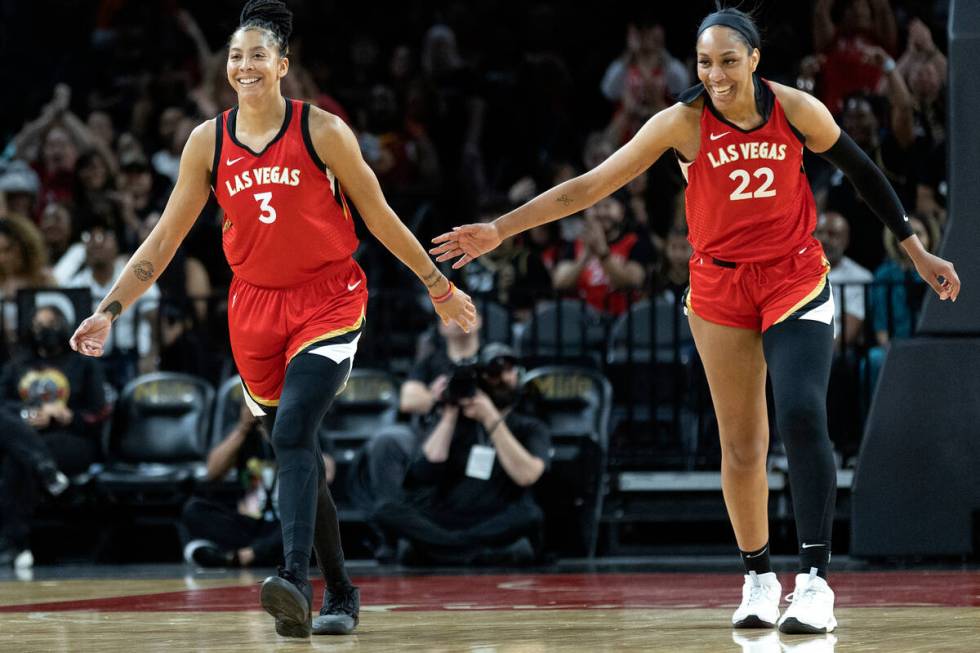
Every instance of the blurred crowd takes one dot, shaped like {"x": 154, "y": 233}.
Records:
{"x": 463, "y": 110}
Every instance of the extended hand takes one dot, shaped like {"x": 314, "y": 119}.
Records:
{"x": 467, "y": 242}
{"x": 459, "y": 309}
{"x": 932, "y": 268}
{"x": 90, "y": 336}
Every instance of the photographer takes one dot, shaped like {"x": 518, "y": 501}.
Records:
{"x": 469, "y": 489}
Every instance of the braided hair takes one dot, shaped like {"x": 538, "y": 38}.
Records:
{"x": 273, "y": 16}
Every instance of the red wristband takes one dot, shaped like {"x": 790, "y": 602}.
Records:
{"x": 445, "y": 296}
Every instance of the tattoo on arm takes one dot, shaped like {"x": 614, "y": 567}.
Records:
{"x": 565, "y": 199}
{"x": 113, "y": 309}
{"x": 143, "y": 270}
{"x": 432, "y": 278}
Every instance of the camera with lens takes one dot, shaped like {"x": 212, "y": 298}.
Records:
{"x": 464, "y": 380}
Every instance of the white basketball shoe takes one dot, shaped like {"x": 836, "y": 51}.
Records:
{"x": 811, "y": 609}
{"x": 760, "y": 602}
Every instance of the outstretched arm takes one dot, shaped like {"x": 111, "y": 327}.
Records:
{"x": 654, "y": 138}
{"x": 337, "y": 147}
{"x": 824, "y": 137}
{"x": 152, "y": 257}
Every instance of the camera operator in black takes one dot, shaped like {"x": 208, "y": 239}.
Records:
{"x": 468, "y": 490}
{"x": 52, "y": 406}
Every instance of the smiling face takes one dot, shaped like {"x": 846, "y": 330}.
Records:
{"x": 725, "y": 67}
{"x": 254, "y": 65}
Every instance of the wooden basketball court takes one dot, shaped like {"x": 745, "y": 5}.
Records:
{"x": 881, "y": 611}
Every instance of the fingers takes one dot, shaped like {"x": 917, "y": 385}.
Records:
{"x": 449, "y": 253}
{"x": 946, "y": 282}
{"x": 445, "y": 247}
{"x": 446, "y": 237}
{"x": 463, "y": 260}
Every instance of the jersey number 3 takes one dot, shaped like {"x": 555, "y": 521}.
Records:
{"x": 268, "y": 213}
{"x": 742, "y": 176}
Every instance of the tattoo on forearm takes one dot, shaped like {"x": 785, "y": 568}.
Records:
{"x": 432, "y": 278}
{"x": 143, "y": 270}
{"x": 565, "y": 199}
{"x": 113, "y": 309}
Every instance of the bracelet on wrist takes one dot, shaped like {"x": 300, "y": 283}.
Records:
{"x": 493, "y": 428}
{"x": 445, "y": 296}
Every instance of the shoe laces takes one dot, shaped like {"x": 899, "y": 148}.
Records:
{"x": 807, "y": 593}
{"x": 340, "y": 603}
{"x": 756, "y": 592}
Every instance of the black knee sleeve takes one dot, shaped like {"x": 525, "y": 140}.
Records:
{"x": 799, "y": 355}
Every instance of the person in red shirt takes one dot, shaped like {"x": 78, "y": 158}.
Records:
{"x": 607, "y": 260}
{"x": 758, "y": 298}
{"x": 281, "y": 170}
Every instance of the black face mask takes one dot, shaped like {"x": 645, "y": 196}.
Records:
{"x": 50, "y": 341}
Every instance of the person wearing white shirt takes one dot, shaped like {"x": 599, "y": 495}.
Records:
{"x": 848, "y": 279}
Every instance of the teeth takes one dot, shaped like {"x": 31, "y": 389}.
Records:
{"x": 248, "y": 80}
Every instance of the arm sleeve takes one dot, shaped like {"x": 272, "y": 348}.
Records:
{"x": 871, "y": 183}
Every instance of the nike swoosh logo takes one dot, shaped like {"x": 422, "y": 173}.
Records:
{"x": 231, "y": 162}
{"x": 715, "y": 137}
{"x": 352, "y": 286}
{"x": 803, "y": 250}
{"x": 810, "y": 546}
{"x": 757, "y": 554}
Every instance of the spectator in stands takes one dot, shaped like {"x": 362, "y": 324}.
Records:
{"x": 609, "y": 256}
{"x": 642, "y": 80}
{"x": 847, "y": 68}
{"x": 23, "y": 264}
{"x": 674, "y": 274}
{"x": 57, "y": 230}
{"x": 184, "y": 291}
{"x": 51, "y": 144}
{"x": 469, "y": 488}
{"x": 848, "y": 279}
{"x": 95, "y": 199}
{"x": 20, "y": 186}
{"x": 131, "y": 347}
{"x": 898, "y": 290}
{"x": 52, "y": 406}
{"x": 405, "y": 162}
{"x": 166, "y": 160}
{"x": 248, "y": 534}
{"x": 514, "y": 275}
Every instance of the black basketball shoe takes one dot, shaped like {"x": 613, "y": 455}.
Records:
{"x": 287, "y": 598}
{"x": 340, "y": 612}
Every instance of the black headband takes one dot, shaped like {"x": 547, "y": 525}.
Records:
{"x": 734, "y": 22}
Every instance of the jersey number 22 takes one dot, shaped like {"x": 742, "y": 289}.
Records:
{"x": 742, "y": 176}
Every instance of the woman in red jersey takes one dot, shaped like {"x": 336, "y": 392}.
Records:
{"x": 758, "y": 297}
{"x": 280, "y": 170}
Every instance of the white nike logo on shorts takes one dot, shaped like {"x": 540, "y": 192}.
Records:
{"x": 810, "y": 546}
{"x": 352, "y": 286}
{"x": 715, "y": 137}
{"x": 231, "y": 162}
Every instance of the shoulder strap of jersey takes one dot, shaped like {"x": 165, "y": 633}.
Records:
{"x": 308, "y": 138}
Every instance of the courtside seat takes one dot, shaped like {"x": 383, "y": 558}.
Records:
{"x": 575, "y": 403}
{"x": 568, "y": 330}
{"x": 156, "y": 448}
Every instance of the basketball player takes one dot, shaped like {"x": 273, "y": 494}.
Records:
{"x": 758, "y": 297}
{"x": 280, "y": 170}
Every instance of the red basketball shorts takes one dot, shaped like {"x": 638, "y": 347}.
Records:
{"x": 269, "y": 326}
{"x": 758, "y": 295}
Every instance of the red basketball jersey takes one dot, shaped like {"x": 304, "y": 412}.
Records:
{"x": 286, "y": 218}
{"x": 747, "y": 196}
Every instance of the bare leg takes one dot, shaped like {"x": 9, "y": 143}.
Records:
{"x": 736, "y": 371}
